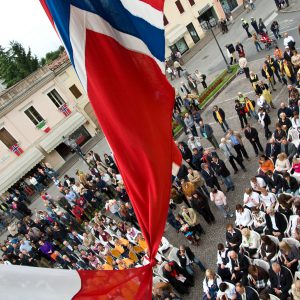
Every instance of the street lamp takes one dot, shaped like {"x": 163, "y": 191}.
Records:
{"x": 209, "y": 25}
{"x": 75, "y": 147}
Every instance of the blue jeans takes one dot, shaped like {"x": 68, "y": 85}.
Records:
{"x": 197, "y": 261}
{"x": 226, "y": 213}
{"x": 228, "y": 182}
{"x": 253, "y": 114}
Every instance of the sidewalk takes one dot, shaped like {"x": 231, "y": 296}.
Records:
{"x": 294, "y": 7}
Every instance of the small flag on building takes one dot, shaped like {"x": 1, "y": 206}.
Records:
{"x": 16, "y": 149}
{"x": 65, "y": 109}
{"x": 43, "y": 126}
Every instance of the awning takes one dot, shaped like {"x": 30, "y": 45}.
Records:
{"x": 19, "y": 167}
{"x": 67, "y": 127}
{"x": 204, "y": 9}
{"x": 175, "y": 34}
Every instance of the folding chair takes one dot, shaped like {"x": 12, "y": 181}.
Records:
{"x": 173, "y": 255}
{"x": 261, "y": 263}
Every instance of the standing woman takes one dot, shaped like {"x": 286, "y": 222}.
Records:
{"x": 199, "y": 202}
{"x": 254, "y": 80}
{"x": 110, "y": 162}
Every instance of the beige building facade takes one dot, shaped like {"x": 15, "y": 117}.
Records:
{"x": 183, "y": 18}
{"x": 35, "y": 116}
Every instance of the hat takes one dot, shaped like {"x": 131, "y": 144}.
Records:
{"x": 242, "y": 19}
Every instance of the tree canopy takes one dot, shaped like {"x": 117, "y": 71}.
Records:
{"x": 51, "y": 56}
{"x": 16, "y": 63}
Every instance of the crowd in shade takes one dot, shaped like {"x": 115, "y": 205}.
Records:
{"x": 92, "y": 224}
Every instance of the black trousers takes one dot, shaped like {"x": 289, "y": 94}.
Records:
{"x": 241, "y": 151}
{"x": 243, "y": 119}
{"x": 215, "y": 183}
{"x": 247, "y": 72}
{"x": 257, "y": 145}
{"x": 268, "y": 133}
{"x": 232, "y": 160}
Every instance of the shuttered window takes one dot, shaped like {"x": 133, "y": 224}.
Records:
{"x": 166, "y": 22}
{"x": 75, "y": 91}
{"x": 179, "y": 6}
{"x": 192, "y": 2}
{"x": 6, "y": 138}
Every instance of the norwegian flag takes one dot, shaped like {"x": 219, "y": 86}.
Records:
{"x": 65, "y": 110}
{"x": 16, "y": 149}
{"x": 117, "y": 48}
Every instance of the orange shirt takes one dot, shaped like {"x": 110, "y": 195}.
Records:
{"x": 267, "y": 166}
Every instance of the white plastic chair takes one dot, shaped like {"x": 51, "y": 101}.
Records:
{"x": 297, "y": 275}
{"x": 291, "y": 242}
{"x": 173, "y": 255}
{"x": 291, "y": 224}
{"x": 160, "y": 270}
{"x": 289, "y": 271}
{"x": 261, "y": 263}
{"x": 293, "y": 134}
{"x": 274, "y": 239}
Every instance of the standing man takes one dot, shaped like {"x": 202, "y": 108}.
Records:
{"x": 268, "y": 73}
{"x": 240, "y": 110}
{"x": 177, "y": 67}
{"x": 221, "y": 170}
{"x": 178, "y": 118}
{"x": 184, "y": 88}
{"x": 289, "y": 41}
{"x": 227, "y": 149}
{"x": 201, "y": 78}
{"x": 190, "y": 124}
{"x": 245, "y": 25}
{"x": 219, "y": 116}
{"x": 208, "y": 133}
{"x": 209, "y": 177}
{"x": 275, "y": 29}
{"x": 273, "y": 64}
{"x": 252, "y": 135}
{"x": 193, "y": 85}
{"x": 254, "y": 25}
{"x": 236, "y": 140}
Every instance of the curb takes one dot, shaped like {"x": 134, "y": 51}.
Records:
{"x": 289, "y": 11}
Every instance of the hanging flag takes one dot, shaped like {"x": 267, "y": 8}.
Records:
{"x": 16, "y": 149}
{"x": 65, "y": 109}
{"x": 117, "y": 49}
{"x": 48, "y": 284}
{"x": 43, "y": 126}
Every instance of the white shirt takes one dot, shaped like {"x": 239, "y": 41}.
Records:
{"x": 33, "y": 181}
{"x": 195, "y": 143}
{"x": 287, "y": 40}
{"x": 273, "y": 222}
{"x": 259, "y": 183}
{"x": 251, "y": 200}
{"x": 268, "y": 200}
{"x": 295, "y": 123}
{"x": 260, "y": 101}
{"x": 105, "y": 177}
{"x": 221, "y": 255}
{"x": 230, "y": 292}
{"x": 243, "y": 218}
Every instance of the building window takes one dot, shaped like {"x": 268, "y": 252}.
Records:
{"x": 75, "y": 91}
{"x": 6, "y": 138}
{"x": 192, "y": 2}
{"x": 33, "y": 115}
{"x": 166, "y": 22}
{"x": 179, "y": 6}
{"x": 180, "y": 46}
{"x": 194, "y": 35}
{"x": 56, "y": 98}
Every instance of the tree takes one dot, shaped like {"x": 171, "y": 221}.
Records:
{"x": 16, "y": 63}
{"x": 52, "y": 55}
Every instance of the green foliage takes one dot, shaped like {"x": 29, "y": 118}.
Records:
{"x": 51, "y": 56}
{"x": 16, "y": 63}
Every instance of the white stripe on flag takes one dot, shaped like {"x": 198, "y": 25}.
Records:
{"x": 144, "y": 11}
{"x": 29, "y": 283}
{"x": 80, "y": 21}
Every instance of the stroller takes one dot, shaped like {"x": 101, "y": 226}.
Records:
{"x": 267, "y": 41}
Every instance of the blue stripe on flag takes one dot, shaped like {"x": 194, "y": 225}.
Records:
{"x": 116, "y": 15}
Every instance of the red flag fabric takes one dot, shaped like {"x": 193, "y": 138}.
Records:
{"x": 117, "y": 49}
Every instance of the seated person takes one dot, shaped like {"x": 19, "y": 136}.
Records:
{"x": 250, "y": 241}
{"x": 268, "y": 248}
{"x": 281, "y": 281}
{"x": 259, "y": 220}
{"x": 233, "y": 238}
{"x": 258, "y": 278}
{"x": 211, "y": 285}
{"x": 227, "y": 291}
{"x": 251, "y": 198}
{"x": 245, "y": 292}
{"x": 243, "y": 216}
{"x": 180, "y": 279}
{"x": 276, "y": 223}
{"x": 222, "y": 262}
{"x": 238, "y": 267}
